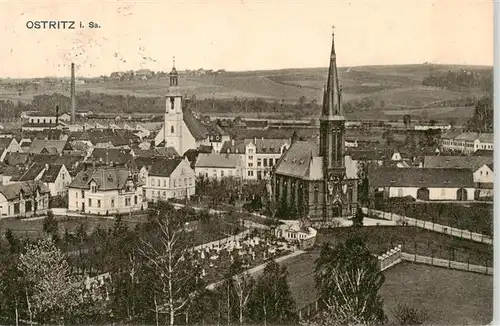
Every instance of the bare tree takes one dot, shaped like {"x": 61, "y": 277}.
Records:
{"x": 173, "y": 267}
{"x": 243, "y": 286}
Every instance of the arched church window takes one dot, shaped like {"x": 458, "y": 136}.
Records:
{"x": 172, "y": 101}
{"x": 316, "y": 194}
{"x": 172, "y": 129}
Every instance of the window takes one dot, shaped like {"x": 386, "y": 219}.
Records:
{"x": 222, "y": 173}
{"x": 259, "y": 162}
{"x": 158, "y": 182}
{"x": 400, "y": 192}
{"x": 270, "y": 162}
{"x": 316, "y": 194}
{"x": 76, "y": 195}
{"x": 250, "y": 157}
{"x": 135, "y": 199}
{"x": 90, "y": 202}
{"x": 16, "y": 208}
{"x": 250, "y": 173}
{"x": 250, "y": 151}
{"x": 185, "y": 181}
{"x": 172, "y": 130}
{"x": 265, "y": 162}
{"x": 152, "y": 182}
{"x": 127, "y": 201}
{"x": 83, "y": 194}
{"x": 164, "y": 182}
{"x": 99, "y": 203}
{"x": 165, "y": 194}
{"x": 175, "y": 183}
{"x": 93, "y": 188}
{"x": 191, "y": 181}
{"x": 112, "y": 203}
{"x": 230, "y": 172}
{"x": 250, "y": 165}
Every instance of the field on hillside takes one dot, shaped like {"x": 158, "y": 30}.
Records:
{"x": 391, "y": 88}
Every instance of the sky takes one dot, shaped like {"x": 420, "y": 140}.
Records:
{"x": 241, "y": 35}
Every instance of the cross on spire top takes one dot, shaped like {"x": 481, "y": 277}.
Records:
{"x": 173, "y": 58}
{"x": 333, "y": 29}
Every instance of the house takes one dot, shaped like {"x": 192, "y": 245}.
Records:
{"x": 429, "y": 126}
{"x": 105, "y": 190}
{"x": 168, "y": 178}
{"x": 47, "y": 117}
{"x": 24, "y": 199}
{"x": 467, "y": 142}
{"x": 422, "y": 183}
{"x": 57, "y": 178}
{"x": 295, "y": 230}
{"x": 8, "y": 145}
{"x": 217, "y": 166}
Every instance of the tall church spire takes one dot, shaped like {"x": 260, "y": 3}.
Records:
{"x": 332, "y": 106}
{"x": 174, "y": 75}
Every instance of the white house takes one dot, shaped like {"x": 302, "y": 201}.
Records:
{"x": 24, "y": 199}
{"x": 259, "y": 155}
{"x": 467, "y": 142}
{"x": 422, "y": 183}
{"x": 8, "y": 145}
{"x": 105, "y": 190}
{"x": 294, "y": 230}
{"x": 168, "y": 178}
{"x": 57, "y": 178}
{"x": 218, "y": 166}
{"x": 47, "y": 117}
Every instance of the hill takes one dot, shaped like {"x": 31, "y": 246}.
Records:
{"x": 389, "y": 90}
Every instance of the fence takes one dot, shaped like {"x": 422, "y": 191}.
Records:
{"x": 428, "y": 225}
{"x": 390, "y": 258}
{"x": 217, "y": 243}
{"x": 310, "y": 310}
{"x": 447, "y": 263}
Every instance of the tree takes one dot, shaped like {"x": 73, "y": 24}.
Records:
{"x": 12, "y": 301}
{"x": 357, "y": 220}
{"x": 50, "y": 225}
{"x": 272, "y": 301}
{"x": 406, "y": 315}
{"x": 482, "y": 119}
{"x": 173, "y": 273}
{"x": 51, "y": 291}
{"x": 348, "y": 280}
{"x": 15, "y": 243}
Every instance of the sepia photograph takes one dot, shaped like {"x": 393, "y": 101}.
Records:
{"x": 223, "y": 162}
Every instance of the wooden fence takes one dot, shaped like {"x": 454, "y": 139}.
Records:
{"x": 446, "y": 263}
{"x": 428, "y": 225}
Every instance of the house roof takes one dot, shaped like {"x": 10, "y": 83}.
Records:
{"x": 265, "y": 145}
{"x": 50, "y": 134}
{"x": 111, "y": 155}
{"x": 37, "y": 146}
{"x": 467, "y": 136}
{"x": 456, "y": 162}
{"x": 41, "y": 125}
{"x": 166, "y": 151}
{"x": 217, "y": 161}
{"x": 106, "y": 178}
{"x": 490, "y": 165}
{"x": 44, "y": 114}
{"x": 452, "y": 134}
{"x": 51, "y": 174}
{"x": 197, "y": 129}
{"x": 421, "y": 177}
{"x": 5, "y": 142}
{"x": 483, "y": 152}
{"x": 232, "y": 146}
{"x": 14, "y": 159}
{"x": 30, "y": 174}
{"x": 12, "y": 190}
{"x": 486, "y": 138}
{"x": 164, "y": 167}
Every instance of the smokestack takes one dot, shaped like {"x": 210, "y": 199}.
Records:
{"x": 57, "y": 114}
{"x": 73, "y": 99}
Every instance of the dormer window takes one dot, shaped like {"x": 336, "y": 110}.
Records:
{"x": 93, "y": 188}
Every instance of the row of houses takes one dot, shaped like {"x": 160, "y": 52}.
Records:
{"x": 466, "y": 142}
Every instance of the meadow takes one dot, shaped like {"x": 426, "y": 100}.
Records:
{"x": 394, "y": 90}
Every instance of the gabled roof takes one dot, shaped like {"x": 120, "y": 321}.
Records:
{"x": 37, "y": 145}
{"x": 111, "y": 155}
{"x": 12, "y": 190}
{"x": 421, "y": 177}
{"x": 486, "y": 138}
{"x": 51, "y": 174}
{"x": 297, "y": 160}
{"x": 14, "y": 159}
{"x": 30, "y": 174}
{"x": 452, "y": 134}
{"x": 106, "y": 178}
{"x": 264, "y": 145}
{"x": 166, "y": 151}
{"x": 217, "y": 161}
{"x": 197, "y": 129}
{"x": 5, "y": 142}
{"x": 456, "y": 162}
{"x": 490, "y": 165}
{"x": 229, "y": 147}
{"x": 467, "y": 136}
{"x": 164, "y": 167}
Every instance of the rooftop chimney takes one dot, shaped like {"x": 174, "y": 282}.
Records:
{"x": 73, "y": 99}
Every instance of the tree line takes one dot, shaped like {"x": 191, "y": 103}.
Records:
{"x": 458, "y": 79}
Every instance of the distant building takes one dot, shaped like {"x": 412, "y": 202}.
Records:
{"x": 422, "y": 183}
{"x": 47, "y": 117}
{"x": 106, "y": 190}
{"x": 467, "y": 142}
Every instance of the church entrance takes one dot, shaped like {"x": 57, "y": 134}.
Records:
{"x": 337, "y": 210}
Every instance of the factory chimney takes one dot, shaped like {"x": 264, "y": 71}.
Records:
{"x": 73, "y": 99}
{"x": 57, "y": 114}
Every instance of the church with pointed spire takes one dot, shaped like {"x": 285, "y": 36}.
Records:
{"x": 315, "y": 179}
